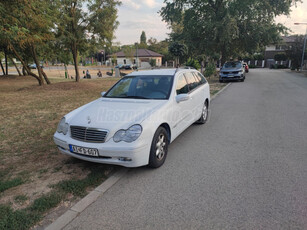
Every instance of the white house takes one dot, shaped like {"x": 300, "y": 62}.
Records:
{"x": 141, "y": 58}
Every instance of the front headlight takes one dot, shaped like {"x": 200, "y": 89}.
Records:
{"x": 62, "y": 126}
{"x": 128, "y": 135}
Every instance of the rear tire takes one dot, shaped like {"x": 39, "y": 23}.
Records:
{"x": 159, "y": 148}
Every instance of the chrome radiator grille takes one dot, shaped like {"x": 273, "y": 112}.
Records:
{"x": 88, "y": 134}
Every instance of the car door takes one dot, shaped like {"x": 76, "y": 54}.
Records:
{"x": 196, "y": 94}
{"x": 180, "y": 110}
{"x": 205, "y": 86}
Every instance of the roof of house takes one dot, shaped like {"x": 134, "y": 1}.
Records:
{"x": 288, "y": 39}
{"x": 141, "y": 53}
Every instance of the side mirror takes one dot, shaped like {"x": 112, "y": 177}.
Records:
{"x": 103, "y": 93}
{"x": 182, "y": 97}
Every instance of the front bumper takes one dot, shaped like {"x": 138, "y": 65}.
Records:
{"x": 124, "y": 154}
{"x": 232, "y": 78}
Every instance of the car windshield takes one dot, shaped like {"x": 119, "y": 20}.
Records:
{"x": 142, "y": 87}
{"x": 232, "y": 65}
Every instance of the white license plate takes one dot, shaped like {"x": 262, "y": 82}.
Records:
{"x": 83, "y": 150}
{"x": 230, "y": 75}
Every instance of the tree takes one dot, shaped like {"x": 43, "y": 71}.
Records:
{"x": 227, "y": 27}
{"x": 153, "y": 62}
{"x": 129, "y": 52}
{"x": 81, "y": 28}
{"x": 143, "y": 40}
{"x": 160, "y": 47}
{"x": 295, "y": 52}
{"x": 177, "y": 50}
{"x": 25, "y": 26}
{"x": 193, "y": 63}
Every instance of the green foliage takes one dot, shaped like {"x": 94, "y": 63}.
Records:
{"x": 46, "y": 202}
{"x": 19, "y": 219}
{"x": 152, "y": 62}
{"x": 129, "y": 52}
{"x": 252, "y": 66}
{"x": 160, "y": 47}
{"x": 258, "y": 57}
{"x": 78, "y": 186}
{"x": 177, "y": 49}
{"x": 210, "y": 70}
{"x": 20, "y": 199}
{"x": 280, "y": 57}
{"x": 4, "y": 185}
{"x": 276, "y": 66}
{"x": 193, "y": 63}
{"x": 26, "y": 218}
{"x": 230, "y": 28}
{"x": 143, "y": 40}
{"x": 295, "y": 53}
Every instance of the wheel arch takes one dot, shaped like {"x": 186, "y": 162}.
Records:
{"x": 207, "y": 101}
{"x": 168, "y": 130}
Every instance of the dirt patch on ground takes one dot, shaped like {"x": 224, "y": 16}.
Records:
{"x": 30, "y": 114}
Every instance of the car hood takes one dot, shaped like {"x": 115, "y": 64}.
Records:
{"x": 113, "y": 114}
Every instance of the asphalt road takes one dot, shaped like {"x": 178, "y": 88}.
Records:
{"x": 245, "y": 169}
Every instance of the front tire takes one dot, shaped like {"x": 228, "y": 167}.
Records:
{"x": 204, "y": 114}
{"x": 159, "y": 148}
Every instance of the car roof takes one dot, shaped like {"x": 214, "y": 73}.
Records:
{"x": 159, "y": 72}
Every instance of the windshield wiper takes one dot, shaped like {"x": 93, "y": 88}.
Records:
{"x": 136, "y": 97}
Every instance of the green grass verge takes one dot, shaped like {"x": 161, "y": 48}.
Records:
{"x": 26, "y": 218}
{"x": 19, "y": 219}
{"x": 78, "y": 187}
{"x": 4, "y": 185}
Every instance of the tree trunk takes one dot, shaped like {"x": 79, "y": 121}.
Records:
{"x": 6, "y": 65}
{"x": 2, "y": 67}
{"x": 24, "y": 72}
{"x": 40, "y": 82}
{"x": 75, "y": 57}
{"x": 39, "y": 69}
{"x": 16, "y": 67}
{"x": 45, "y": 77}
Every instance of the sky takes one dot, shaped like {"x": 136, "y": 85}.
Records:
{"x": 136, "y": 16}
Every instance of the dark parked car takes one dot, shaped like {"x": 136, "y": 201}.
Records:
{"x": 232, "y": 71}
{"x": 120, "y": 66}
{"x": 128, "y": 66}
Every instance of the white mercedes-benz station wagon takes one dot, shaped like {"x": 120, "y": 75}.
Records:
{"x": 134, "y": 122}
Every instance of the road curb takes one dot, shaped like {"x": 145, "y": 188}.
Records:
{"x": 79, "y": 207}
{"x": 215, "y": 95}
{"x": 75, "y": 210}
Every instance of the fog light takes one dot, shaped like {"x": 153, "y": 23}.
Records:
{"x": 124, "y": 159}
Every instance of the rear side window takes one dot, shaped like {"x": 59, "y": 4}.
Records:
{"x": 182, "y": 86}
{"x": 202, "y": 78}
{"x": 191, "y": 81}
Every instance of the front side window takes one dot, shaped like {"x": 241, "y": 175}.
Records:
{"x": 142, "y": 87}
{"x": 182, "y": 85}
